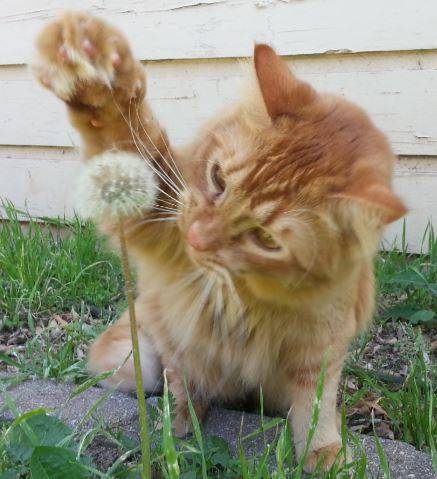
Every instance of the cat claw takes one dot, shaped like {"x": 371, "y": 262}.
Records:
{"x": 46, "y": 82}
{"x": 89, "y": 48}
{"x": 96, "y": 123}
{"x": 138, "y": 85}
{"x": 115, "y": 59}
{"x": 64, "y": 55}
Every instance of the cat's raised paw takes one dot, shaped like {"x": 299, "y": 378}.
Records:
{"x": 324, "y": 458}
{"x": 81, "y": 58}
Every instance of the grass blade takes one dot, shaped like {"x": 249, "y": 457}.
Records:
{"x": 197, "y": 431}
{"x": 167, "y": 436}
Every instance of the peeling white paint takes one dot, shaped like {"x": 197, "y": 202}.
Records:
{"x": 337, "y": 51}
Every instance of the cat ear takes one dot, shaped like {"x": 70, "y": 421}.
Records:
{"x": 379, "y": 201}
{"x": 282, "y": 92}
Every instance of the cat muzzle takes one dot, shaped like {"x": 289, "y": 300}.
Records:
{"x": 201, "y": 238}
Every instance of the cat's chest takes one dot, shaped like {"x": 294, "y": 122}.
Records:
{"x": 214, "y": 334}
{"x": 232, "y": 340}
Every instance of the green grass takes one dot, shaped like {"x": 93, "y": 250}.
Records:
{"x": 58, "y": 353}
{"x": 38, "y": 445}
{"x": 51, "y": 270}
{"x": 66, "y": 270}
{"x": 408, "y": 283}
{"x": 413, "y": 408}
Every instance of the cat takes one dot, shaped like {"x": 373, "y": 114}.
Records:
{"x": 255, "y": 268}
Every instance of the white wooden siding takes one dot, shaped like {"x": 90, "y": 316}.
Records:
{"x": 398, "y": 90}
{"x": 180, "y": 29}
{"x": 381, "y": 54}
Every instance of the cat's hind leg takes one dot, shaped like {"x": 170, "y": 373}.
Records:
{"x": 112, "y": 350}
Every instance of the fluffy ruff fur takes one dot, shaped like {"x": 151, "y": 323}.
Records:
{"x": 256, "y": 262}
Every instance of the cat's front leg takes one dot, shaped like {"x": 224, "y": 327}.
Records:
{"x": 88, "y": 64}
{"x": 112, "y": 351}
{"x": 326, "y": 443}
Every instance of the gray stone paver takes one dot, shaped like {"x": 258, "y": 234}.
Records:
{"x": 121, "y": 410}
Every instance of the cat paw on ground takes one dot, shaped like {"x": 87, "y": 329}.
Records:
{"x": 324, "y": 457}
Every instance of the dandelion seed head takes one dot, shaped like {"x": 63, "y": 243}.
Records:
{"x": 115, "y": 185}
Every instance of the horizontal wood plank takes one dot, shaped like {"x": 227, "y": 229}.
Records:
{"x": 415, "y": 181}
{"x": 180, "y": 29}
{"x": 42, "y": 180}
{"x": 38, "y": 180}
{"x": 399, "y": 92}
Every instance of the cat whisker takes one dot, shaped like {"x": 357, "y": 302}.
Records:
{"x": 185, "y": 184}
{"x": 167, "y": 202}
{"x": 162, "y": 173}
{"x": 176, "y": 173}
{"x": 148, "y": 157}
{"x": 165, "y": 210}
{"x": 155, "y": 220}
{"x": 158, "y": 151}
{"x": 133, "y": 134}
{"x": 159, "y": 174}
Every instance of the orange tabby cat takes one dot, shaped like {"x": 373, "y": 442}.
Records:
{"x": 256, "y": 262}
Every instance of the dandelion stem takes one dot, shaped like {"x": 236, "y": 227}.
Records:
{"x": 142, "y": 409}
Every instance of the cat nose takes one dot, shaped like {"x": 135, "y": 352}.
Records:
{"x": 200, "y": 238}
{"x": 194, "y": 237}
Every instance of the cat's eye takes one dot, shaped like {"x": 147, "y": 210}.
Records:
{"x": 264, "y": 239}
{"x": 217, "y": 179}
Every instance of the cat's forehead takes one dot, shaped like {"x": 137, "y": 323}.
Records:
{"x": 297, "y": 161}
{"x": 242, "y": 156}
{"x": 266, "y": 205}
{"x": 234, "y": 146}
